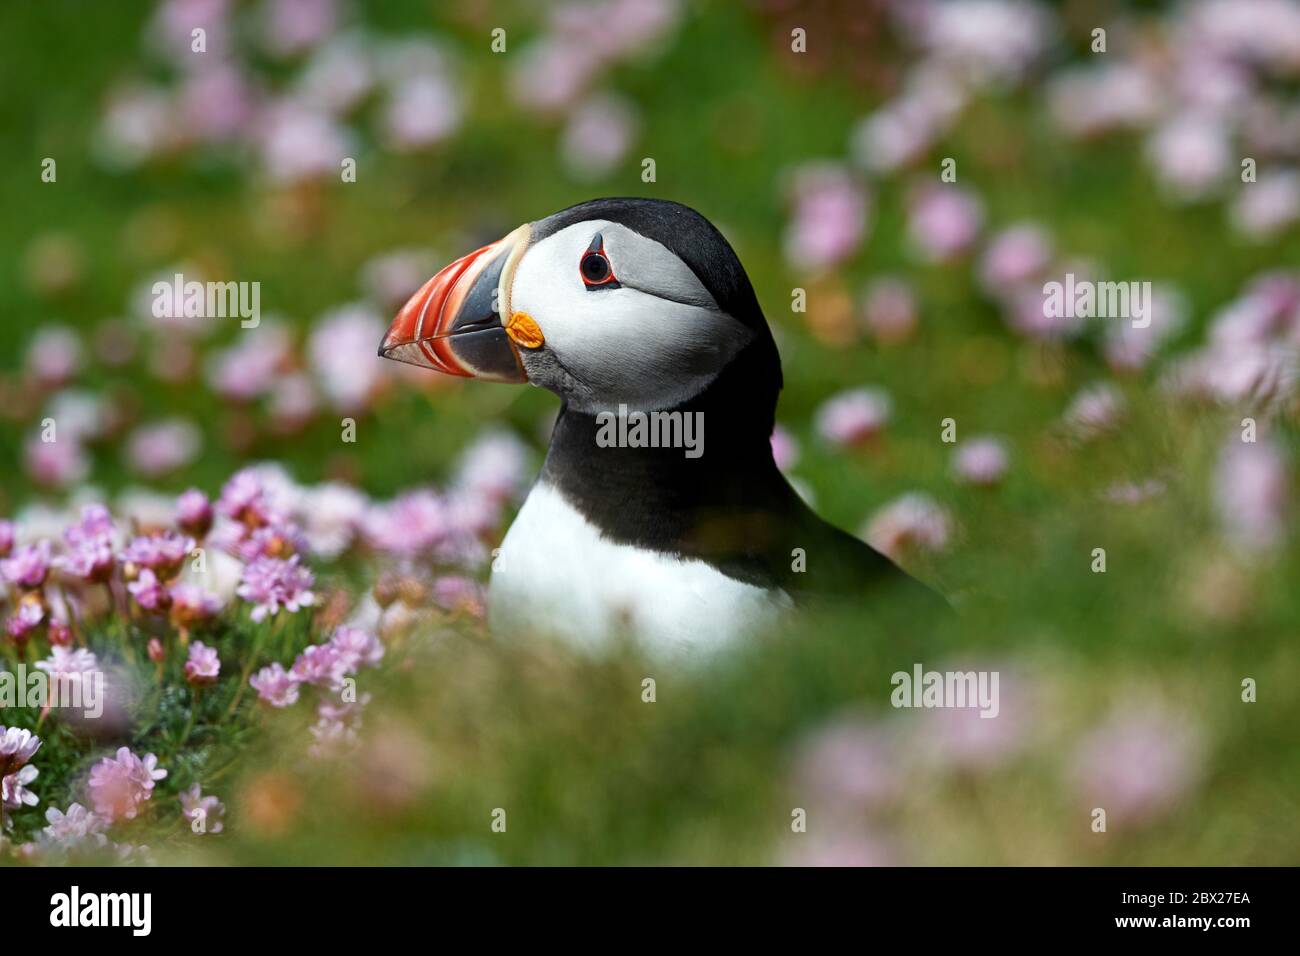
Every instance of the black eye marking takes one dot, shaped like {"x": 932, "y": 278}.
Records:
{"x": 595, "y": 270}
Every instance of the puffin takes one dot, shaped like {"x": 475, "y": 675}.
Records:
{"x": 627, "y": 308}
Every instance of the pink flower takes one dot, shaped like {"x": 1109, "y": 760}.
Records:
{"x": 207, "y": 812}
{"x": 203, "y": 665}
{"x": 1095, "y": 100}
{"x": 495, "y": 466}
{"x": 964, "y": 739}
{"x": 1137, "y": 765}
{"x": 995, "y": 41}
{"x": 194, "y": 513}
{"x": 14, "y": 794}
{"x": 138, "y": 124}
{"x": 848, "y": 765}
{"x": 424, "y": 110}
{"x": 69, "y": 667}
{"x": 356, "y": 647}
{"x": 163, "y": 447}
{"x": 829, "y": 217}
{"x": 458, "y": 594}
{"x": 336, "y": 339}
{"x": 149, "y": 592}
{"x": 120, "y": 785}
{"x": 1095, "y": 410}
{"x": 54, "y": 355}
{"x": 598, "y": 136}
{"x": 1251, "y": 494}
{"x": 90, "y": 559}
{"x": 944, "y": 221}
{"x": 215, "y": 103}
{"x": 333, "y": 512}
{"x": 1191, "y": 154}
{"x": 55, "y": 463}
{"x": 414, "y": 524}
{"x": 889, "y": 310}
{"x": 337, "y": 725}
{"x": 277, "y": 538}
{"x": 321, "y": 665}
{"x": 96, "y": 525}
{"x": 299, "y": 142}
{"x": 270, "y": 584}
{"x": 59, "y": 634}
{"x": 28, "y": 565}
{"x": 76, "y": 827}
{"x": 17, "y": 746}
{"x": 1129, "y": 348}
{"x": 293, "y": 401}
{"x": 550, "y": 74}
{"x": 980, "y": 461}
{"x": 193, "y": 605}
{"x": 911, "y": 521}
{"x": 292, "y": 26}
{"x": 172, "y": 25}
{"x": 853, "y": 417}
{"x": 338, "y": 76}
{"x": 275, "y": 686}
{"x": 846, "y": 848}
{"x": 24, "y": 620}
{"x": 161, "y": 553}
{"x": 243, "y": 498}
{"x": 1266, "y": 208}
{"x": 1015, "y": 256}
{"x": 785, "y": 448}
{"x": 250, "y": 368}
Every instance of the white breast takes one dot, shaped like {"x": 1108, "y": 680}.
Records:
{"x": 555, "y": 574}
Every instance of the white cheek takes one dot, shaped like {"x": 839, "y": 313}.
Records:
{"x": 630, "y": 347}
{"x": 625, "y": 345}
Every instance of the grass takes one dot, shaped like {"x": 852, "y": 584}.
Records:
{"x": 586, "y": 771}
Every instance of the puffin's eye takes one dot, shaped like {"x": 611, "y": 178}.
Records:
{"x": 595, "y": 269}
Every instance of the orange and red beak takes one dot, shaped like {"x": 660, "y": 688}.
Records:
{"x": 454, "y": 323}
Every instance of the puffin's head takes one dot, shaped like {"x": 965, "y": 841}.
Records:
{"x": 639, "y": 302}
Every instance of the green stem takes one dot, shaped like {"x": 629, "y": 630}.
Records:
{"x": 194, "y": 713}
{"x": 250, "y": 661}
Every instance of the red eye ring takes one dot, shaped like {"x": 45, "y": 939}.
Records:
{"x": 594, "y": 267}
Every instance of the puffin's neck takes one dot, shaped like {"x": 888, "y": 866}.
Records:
{"x": 658, "y": 497}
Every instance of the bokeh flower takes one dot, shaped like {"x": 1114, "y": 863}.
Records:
{"x": 28, "y": 565}
{"x": 194, "y": 513}
{"x": 1137, "y": 765}
{"x": 205, "y": 814}
{"x": 853, "y": 417}
{"x": 272, "y": 584}
{"x": 981, "y": 460}
{"x": 120, "y": 785}
{"x": 275, "y": 686}
{"x": 17, "y": 746}
{"x": 203, "y": 665}
{"x": 322, "y": 665}
{"x": 829, "y": 217}
{"x": 911, "y": 521}
{"x": 149, "y": 592}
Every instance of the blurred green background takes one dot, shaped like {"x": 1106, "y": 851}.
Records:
{"x": 1120, "y": 662}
